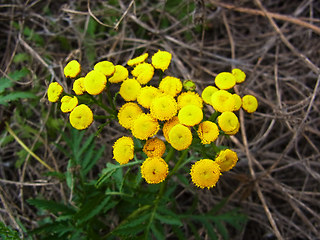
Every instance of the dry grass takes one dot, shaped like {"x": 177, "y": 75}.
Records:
{"x": 275, "y": 42}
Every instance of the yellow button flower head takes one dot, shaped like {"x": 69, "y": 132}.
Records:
{"x": 189, "y": 98}
{"x": 205, "y": 173}
{"x": 120, "y": 74}
{"x": 123, "y": 150}
{"x": 171, "y": 86}
{"x": 146, "y": 95}
{"x": 95, "y": 82}
{"x": 154, "y": 170}
{"x": 239, "y": 75}
{"x": 225, "y": 80}
{"x": 130, "y": 89}
{"x": 228, "y": 122}
{"x": 78, "y": 86}
{"x": 222, "y": 101}
{"x": 161, "y": 60}
{"x": 137, "y": 60}
{"x": 163, "y": 107}
{"x": 226, "y": 159}
{"x": 190, "y": 115}
{"x": 81, "y": 117}
{"x": 68, "y": 103}
{"x": 208, "y": 132}
{"x": 168, "y": 125}
{"x": 207, "y": 94}
{"x": 144, "y": 127}
{"x": 180, "y": 137}
{"x": 105, "y": 67}
{"x": 249, "y": 103}
{"x": 237, "y": 102}
{"x": 72, "y": 69}
{"x": 128, "y": 113}
{"x": 154, "y": 147}
{"x": 143, "y": 72}
{"x": 54, "y": 91}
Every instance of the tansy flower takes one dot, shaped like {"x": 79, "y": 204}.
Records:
{"x": 205, "y": 173}
{"x": 144, "y": 127}
{"x": 207, "y": 94}
{"x": 78, "y": 86}
{"x": 154, "y": 147}
{"x": 168, "y": 125}
{"x": 146, "y": 95}
{"x": 190, "y": 115}
{"x": 123, "y": 150}
{"x": 94, "y": 82}
{"x": 154, "y": 170}
{"x": 130, "y": 89}
{"x": 143, "y": 73}
{"x": 226, "y": 159}
{"x": 120, "y": 74}
{"x": 161, "y": 60}
{"x": 72, "y": 69}
{"x": 249, "y": 103}
{"x": 163, "y": 107}
{"x": 222, "y": 101}
{"x": 81, "y": 117}
{"x": 237, "y": 102}
{"x": 128, "y": 113}
{"x": 106, "y": 67}
{"x": 228, "y": 122}
{"x": 239, "y": 75}
{"x": 170, "y": 85}
{"x": 180, "y": 137}
{"x": 137, "y": 60}
{"x": 189, "y": 98}
{"x": 54, "y": 91}
{"x": 225, "y": 80}
{"x": 208, "y": 132}
{"x": 68, "y": 103}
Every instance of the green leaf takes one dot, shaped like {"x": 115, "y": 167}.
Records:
{"x": 14, "y": 96}
{"x": 158, "y": 233}
{"x": 21, "y": 57}
{"x": 51, "y": 206}
{"x": 6, "y": 233}
{"x": 5, "y": 83}
{"x": 222, "y": 230}
{"x": 170, "y": 220}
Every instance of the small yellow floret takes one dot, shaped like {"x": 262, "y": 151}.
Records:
{"x": 154, "y": 147}
{"x": 225, "y": 80}
{"x": 144, "y": 127}
{"x": 143, "y": 73}
{"x": 205, "y": 173}
{"x": 105, "y": 67}
{"x": 239, "y": 75}
{"x": 163, "y": 107}
{"x": 228, "y": 122}
{"x": 208, "y": 132}
{"x": 68, "y": 103}
{"x": 137, "y": 60}
{"x": 130, "y": 89}
{"x": 154, "y": 170}
{"x": 128, "y": 113}
{"x": 222, "y": 101}
{"x": 190, "y": 115}
{"x": 120, "y": 74}
{"x": 168, "y": 125}
{"x": 72, "y": 69}
{"x": 180, "y": 137}
{"x": 81, "y": 117}
{"x": 237, "y": 102}
{"x": 161, "y": 60}
{"x": 189, "y": 98}
{"x": 249, "y": 103}
{"x": 78, "y": 86}
{"x": 123, "y": 150}
{"x": 207, "y": 94}
{"x": 95, "y": 82}
{"x": 54, "y": 91}
{"x": 171, "y": 86}
{"x": 147, "y": 94}
{"x": 226, "y": 159}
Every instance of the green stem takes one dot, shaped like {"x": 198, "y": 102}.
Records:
{"x": 180, "y": 161}
{"x": 100, "y": 104}
{"x": 214, "y": 116}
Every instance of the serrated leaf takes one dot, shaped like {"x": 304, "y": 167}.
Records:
{"x": 5, "y": 83}
{"x": 209, "y": 228}
{"x": 14, "y": 96}
{"x": 170, "y": 220}
{"x": 51, "y": 206}
{"x": 17, "y": 75}
{"x": 87, "y": 165}
{"x": 6, "y": 233}
{"x": 158, "y": 233}
{"x": 222, "y": 230}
